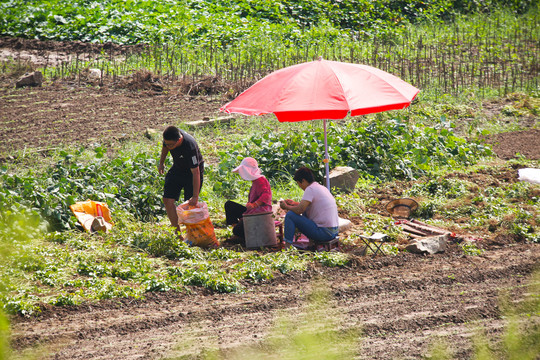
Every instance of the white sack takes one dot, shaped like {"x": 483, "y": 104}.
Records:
{"x": 192, "y": 214}
{"x": 530, "y": 175}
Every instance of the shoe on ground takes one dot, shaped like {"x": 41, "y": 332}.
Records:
{"x": 235, "y": 240}
{"x": 301, "y": 245}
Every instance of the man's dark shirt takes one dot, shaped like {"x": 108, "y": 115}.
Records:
{"x": 186, "y": 156}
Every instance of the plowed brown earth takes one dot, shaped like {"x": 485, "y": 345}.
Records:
{"x": 44, "y": 118}
{"x": 402, "y": 304}
{"x": 68, "y": 113}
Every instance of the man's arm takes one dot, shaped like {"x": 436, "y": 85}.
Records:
{"x": 298, "y": 208}
{"x": 196, "y": 186}
{"x": 161, "y": 165}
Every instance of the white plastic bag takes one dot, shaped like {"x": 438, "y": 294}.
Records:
{"x": 529, "y": 174}
{"x": 192, "y": 214}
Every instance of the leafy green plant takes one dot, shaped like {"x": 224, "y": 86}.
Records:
{"x": 254, "y": 270}
{"x": 124, "y": 182}
{"x": 207, "y": 275}
{"x": 286, "y": 261}
{"x": 390, "y": 249}
{"x": 67, "y": 299}
{"x": 471, "y": 249}
{"x": 143, "y": 21}
{"x": 223, "y": 283}
{"x": 384, "y": 150}
{"x": 378, "y": 224}
{"x": 114, "y": 290}
{"x": 223, "y": 254}
{"x": 24, "y": 305}
{"x": 331, "y": 259}
{"x": 19, "y": 227}
{"x": 154, "y": 284}
{"x": 355, "y": 203}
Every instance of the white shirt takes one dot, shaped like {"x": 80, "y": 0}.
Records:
{"x": 323, "y": 209}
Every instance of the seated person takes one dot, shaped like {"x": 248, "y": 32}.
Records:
{"x": 316, "y": 215}
{"x": 259, "y": 199}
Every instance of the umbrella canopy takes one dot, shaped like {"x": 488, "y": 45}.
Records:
{"x": 324, "y": 90}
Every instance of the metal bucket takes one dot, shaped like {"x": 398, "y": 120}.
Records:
{"x": 259, "y": 230}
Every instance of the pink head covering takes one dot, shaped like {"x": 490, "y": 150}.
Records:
{"x": 248, "y": 169}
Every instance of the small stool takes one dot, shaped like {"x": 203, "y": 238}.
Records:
{"x": 332, "y": 245}
{"x": 375, "y": 242}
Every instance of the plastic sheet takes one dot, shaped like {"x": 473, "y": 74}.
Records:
{"x": 529, "y": 174}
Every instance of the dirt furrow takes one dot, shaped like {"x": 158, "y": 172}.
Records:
{"x": 410, "y": 300}
{"x": 42, "y": 114}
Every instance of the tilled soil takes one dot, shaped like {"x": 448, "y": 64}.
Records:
{"x": 38, "y": 119}
{"x": 510, "y": 145}
{"x": 403, "y": 305}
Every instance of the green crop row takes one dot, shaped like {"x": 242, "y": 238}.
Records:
{"x": 221, "y": 22}
{"x": 476, "y": 53}
{"x": 491, "y": 208}
{"x": 67, "y": 268}
{"x": 128, "y": 182}
{"x": 458, "y": 201}
{"x": 383, "y": 150}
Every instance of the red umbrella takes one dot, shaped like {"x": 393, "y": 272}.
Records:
{"x": 323, "y": 89}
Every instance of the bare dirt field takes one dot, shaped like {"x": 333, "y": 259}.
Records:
{"x": 41, "y": 118}
{"x": 402, "y": 304}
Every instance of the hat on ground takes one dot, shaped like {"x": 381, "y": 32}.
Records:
{"x": 248, "y": 169}
{"x": 401, "y": 207}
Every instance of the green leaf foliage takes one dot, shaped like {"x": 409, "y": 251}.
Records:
{"x": 222, "y": 21}
{"x": 128, "y": 183}
{"x": 385, "y": 150}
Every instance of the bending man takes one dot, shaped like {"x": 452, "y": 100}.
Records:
{"x": 186, "y": 173}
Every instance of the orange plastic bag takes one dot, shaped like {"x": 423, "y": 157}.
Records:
{"x": 93, "y": 215}
{"x": 201, "y": 234}
{"x": 199, "y": 227}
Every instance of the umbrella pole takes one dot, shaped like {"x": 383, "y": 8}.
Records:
{"x": 326, "y": 160}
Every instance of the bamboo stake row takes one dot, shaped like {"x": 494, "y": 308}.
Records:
{"x": 450, "y": 61}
